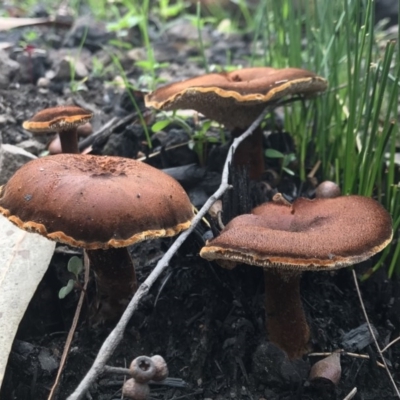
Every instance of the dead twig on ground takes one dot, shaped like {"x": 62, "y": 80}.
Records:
{"x": 115, "y": 337}
{"x": 107, "y": 129}
{"x": 373, "y": 335}
{"x": 345, "y": 353}
{"x": 351, "y": 394}
{"x": 390, "y": 344}
{"x": 172, "y": 382}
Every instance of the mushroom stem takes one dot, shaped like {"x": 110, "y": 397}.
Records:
{"x": 69, "y": 141}
{"x": 250, "y": 153}
{"x": 115, "y": 279}
{"x": 285, "y": 319}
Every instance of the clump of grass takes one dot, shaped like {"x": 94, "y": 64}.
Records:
{"x": 353, "y": 127}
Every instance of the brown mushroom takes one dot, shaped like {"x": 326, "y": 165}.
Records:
{"x": 309, "y": 235}
{"x": 102, "y": 204}
{"x": 235, "y": 99}
{"x": 64, "y": 120}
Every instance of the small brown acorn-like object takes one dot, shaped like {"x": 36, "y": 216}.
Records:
{"x": 142, "y": 369}
{"x": 135, "y": 390}
{"x": 326, "y": 371}
{"x": 161, "y": 368}
{"x": 327, "y": 190}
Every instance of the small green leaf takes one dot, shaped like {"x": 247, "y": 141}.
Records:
{"x": 288, "y": 171}
{"x": 206, "y": 126}
{"x": 65, "y": 290}
{"x": 272, "y": 153}
{"x": 160, "y": 125}
{"x": 75, "y": 265}
{"x": 145, "y": 64}
{"x": 288, "y": 158}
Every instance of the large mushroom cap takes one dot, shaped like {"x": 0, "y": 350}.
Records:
{"x": 94, "y": 201}
{"x": 307, "y": 235}
{"x": 236, "y": 98}
{"x": 57, "y": 119}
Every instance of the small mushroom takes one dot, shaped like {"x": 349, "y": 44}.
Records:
{"x": 135, "y": 390}
{"x": 102, "y": 204}
{"x": 63, "y": 120}
{"x": 235, "y": 99}
{"x": 287, "y": 239}
{"x": 161, "y": 368}
{"x": 142, "y": 369}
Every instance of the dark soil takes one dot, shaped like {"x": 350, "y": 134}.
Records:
{"x": 207, "y": 322}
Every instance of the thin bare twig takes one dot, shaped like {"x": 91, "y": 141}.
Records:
{"x": 345, "y": 353}
{"x": 172, "y": 382}
{"x": 351, "y": 394}
{"x": 72, "y": 329}
{"x": 115, "y": 337}
{"x": 390, "y": 344}
{"x": 373, "y": 335}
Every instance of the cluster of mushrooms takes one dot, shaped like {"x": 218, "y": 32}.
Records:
{"x": 104, "y": 204}
{"x": 144, "y": 370}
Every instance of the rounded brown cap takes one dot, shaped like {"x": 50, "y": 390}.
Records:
{"x": 135, "y": 390}
{"x": 327, "y": 189}
{"x": 307, "y": 235}
{"x": 236, "y": 98}
{"x": 95, "y": 201}
{"x": 142, "y": 369}
{"x": 57, "y": 119}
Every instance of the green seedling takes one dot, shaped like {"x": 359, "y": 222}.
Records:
{"x": 98, "y": 68}
{"x": 29, "y": 37}
{"x": 167, "y": 9}
{"x": 129, "y": 89}
{"x": 75, "y": 266}
{"x": 128, "y": 21}
{"x": 200, "y": 140}
{"x": 169, "y": 119}
{"x": 160, "y": 125}
{"x": 77, "y": 86}
{"x": 286, "y": 160}
{"x": 199, "y": 22}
